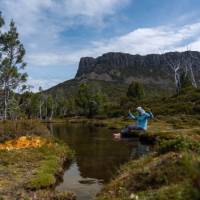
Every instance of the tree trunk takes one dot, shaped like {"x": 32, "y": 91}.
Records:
{"x": 51, "y": 112}
{"x": 46, "y": 110}
{"x": 5, "y": 107}
{"x": 5, "y": 102}
{"x": 40, "y": 110}
{"x": 192, "y": 77}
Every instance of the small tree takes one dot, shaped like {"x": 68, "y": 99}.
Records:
{"x": 175, "y": 65}
{"x": 41, "y": 102}
{"x": 89, "y": 100}
{"x": 1, "y": 20}
{"x": 185, "y": 80}
{"x": 188, "y": 62}
{"x": 11, "y": 64}
{"x": 14, "y": 108}
{"x": 50, "y": 106}
{"x": 83, "y": 98}
{"x": 67, "y": 106}
{"x": 135, "y": 90}
{"x": 179, "y": 63}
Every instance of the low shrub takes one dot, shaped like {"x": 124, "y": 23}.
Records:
{"x": 178, "y": 144}
{"x": 14, "y": 129}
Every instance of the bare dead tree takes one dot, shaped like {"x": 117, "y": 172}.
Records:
{"x": 175, "y": 66}
{"x": 188, "y": 62}
{"x": 184, "y": 64}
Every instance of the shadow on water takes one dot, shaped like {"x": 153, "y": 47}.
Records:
{"x": 97, "y": 157}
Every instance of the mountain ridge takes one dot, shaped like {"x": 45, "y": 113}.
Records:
{"x": 152, "y": 70}
{"x": 127, "y": 68}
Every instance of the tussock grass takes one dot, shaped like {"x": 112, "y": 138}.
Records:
{"x": 154, "y": 177}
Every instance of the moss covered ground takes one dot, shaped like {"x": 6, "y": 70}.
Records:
{"x": 31, "y": 164}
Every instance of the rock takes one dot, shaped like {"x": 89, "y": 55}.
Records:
{"x": 149, "y": 69}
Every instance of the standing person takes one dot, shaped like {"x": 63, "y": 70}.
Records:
{"x": 141, "y": 122}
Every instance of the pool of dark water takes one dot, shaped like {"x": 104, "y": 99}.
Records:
{"x": 98, "y": 156}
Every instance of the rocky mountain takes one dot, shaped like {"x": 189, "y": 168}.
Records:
{"x": 149, "y": 69}
{"x": 115, "y": 71}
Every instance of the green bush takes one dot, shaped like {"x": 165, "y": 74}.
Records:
{"x": 179, "y": 144}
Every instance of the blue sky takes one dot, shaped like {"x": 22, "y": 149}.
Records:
{"x": 57, "y": 33}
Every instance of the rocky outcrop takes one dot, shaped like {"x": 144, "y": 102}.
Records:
{"x": 125, "y": 68}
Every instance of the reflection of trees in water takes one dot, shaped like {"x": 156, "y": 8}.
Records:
{"x": 98, "y": 156}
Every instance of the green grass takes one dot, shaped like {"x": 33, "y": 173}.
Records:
{"x": 171, "y": 172}
{"x": 50, "y": 166}
{"x": 182, "y": 191}
{"x": 179, "y": 144}
{"x": 31, "y": 169}
{"x": 154, "y": 177}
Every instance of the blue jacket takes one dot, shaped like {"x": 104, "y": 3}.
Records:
{"x": 142, "y": 120}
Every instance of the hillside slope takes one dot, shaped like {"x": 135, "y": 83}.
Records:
{"x": 114, "y": 71}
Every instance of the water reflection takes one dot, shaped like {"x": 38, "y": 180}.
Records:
{"x": 140, "y": 150}
{"x": 84, "y": 189}
{"x": 97, "y": 157}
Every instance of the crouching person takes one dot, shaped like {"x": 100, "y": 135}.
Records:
{"x": 141, "y": 122}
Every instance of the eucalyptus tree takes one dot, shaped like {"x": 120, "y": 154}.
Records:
{"x": 188, "y": 62}
{"x": 89, "y": 100}
{"x": 175, "y": 65}
{"x": 136, "y": 90}
{"x": 50, "y": 107}
{"x": 41, "y": 101}
{"x": 12, "y": 64}
{"x": 1, "y": 25}
{"x": 182, "y": 67}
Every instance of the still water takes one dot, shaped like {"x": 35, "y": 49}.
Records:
{"x": 98, "y": 156}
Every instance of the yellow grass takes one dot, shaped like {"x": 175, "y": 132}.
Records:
{"x": 23, "y": 142}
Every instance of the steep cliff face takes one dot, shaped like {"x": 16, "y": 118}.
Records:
{"x": 112, "y": 73}
{"x": 124, "y": 68}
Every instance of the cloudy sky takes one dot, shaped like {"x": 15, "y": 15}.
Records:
{"x": 57, "y": 33}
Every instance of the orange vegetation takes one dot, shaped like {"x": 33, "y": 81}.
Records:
{"x": 23, "y": 142}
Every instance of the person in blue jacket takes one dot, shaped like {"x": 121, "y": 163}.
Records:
{"x": 141, "y": 122}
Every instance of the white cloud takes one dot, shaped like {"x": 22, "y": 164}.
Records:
{"x": 53, "y": 59}
{"x": 140, "y": 41}
{"x": 151, "y": 40}
{"x": 92, "y": 8}
{"x": 35, "y": 16}
{"x": 45, "y": 84}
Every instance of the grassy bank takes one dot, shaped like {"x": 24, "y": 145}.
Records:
{"x": 31, "y": 162}
{"x": 162, "y": 127}
{"x": 173, "y": 175}
{"x": 171, "y": 172}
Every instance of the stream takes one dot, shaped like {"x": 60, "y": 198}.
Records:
{"x": 98, "y": 156}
